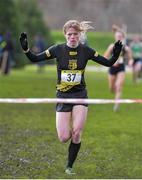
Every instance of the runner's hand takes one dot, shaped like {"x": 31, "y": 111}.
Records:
{"x": 117, "y": 49}
{"x": 24, "y": 41}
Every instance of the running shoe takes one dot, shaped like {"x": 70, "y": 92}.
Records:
{"x": 69, "y": 171}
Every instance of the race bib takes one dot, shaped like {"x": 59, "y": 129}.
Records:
{"x": 71, "y": 77}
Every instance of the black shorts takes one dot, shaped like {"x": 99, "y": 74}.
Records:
{"x": 66, "y": 107}
{"x": 113, "y": 70}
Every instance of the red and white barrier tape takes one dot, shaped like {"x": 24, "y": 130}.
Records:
{"x": 69, "y": 101}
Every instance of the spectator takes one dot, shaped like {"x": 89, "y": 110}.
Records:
{"x": 39, "y": 46}
{"x": 136, "y": 47}
{"x": 3, "y": 54}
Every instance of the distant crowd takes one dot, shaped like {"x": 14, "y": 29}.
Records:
{"x": 7, "y": 52}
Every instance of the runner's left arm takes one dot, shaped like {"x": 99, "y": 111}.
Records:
{"x": 109, "y": 62}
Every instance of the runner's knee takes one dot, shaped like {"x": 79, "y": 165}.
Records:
{"x": 64, "y": 137}
{"x": 76, "y": 135}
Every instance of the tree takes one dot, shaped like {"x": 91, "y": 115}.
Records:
{"x": 18, "y": 16}
{"x": 7, "y": 14}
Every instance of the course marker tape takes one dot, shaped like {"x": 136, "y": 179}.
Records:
{"x": 70, "y": 101}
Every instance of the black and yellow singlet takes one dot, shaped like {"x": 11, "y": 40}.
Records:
{"x": 71, "y": 63}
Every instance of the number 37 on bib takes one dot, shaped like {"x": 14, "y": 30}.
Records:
{"x": 71, "y": 77}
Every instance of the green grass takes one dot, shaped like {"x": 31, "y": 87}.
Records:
{"x": 29, "y": 147}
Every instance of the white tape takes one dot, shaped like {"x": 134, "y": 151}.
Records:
{"x": 70, "y": 101}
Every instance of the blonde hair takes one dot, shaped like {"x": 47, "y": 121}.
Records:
{"x": 83, "y": 26}
{"x": 116, "y": 29}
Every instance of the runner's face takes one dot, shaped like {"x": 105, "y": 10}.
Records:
{"x": 118, "y": 36}
{"x": 72, "y": 37}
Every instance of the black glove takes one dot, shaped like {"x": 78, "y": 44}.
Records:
{"x": 24, "y": 41}
{"x": 117, "y": 49}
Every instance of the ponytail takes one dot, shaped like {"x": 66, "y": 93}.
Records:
{"x": 85, "y": 26}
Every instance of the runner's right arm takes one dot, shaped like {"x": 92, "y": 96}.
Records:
{"x": 34, "y": 57}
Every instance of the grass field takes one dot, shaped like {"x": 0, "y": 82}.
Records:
{"x": 29, "y": 147}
